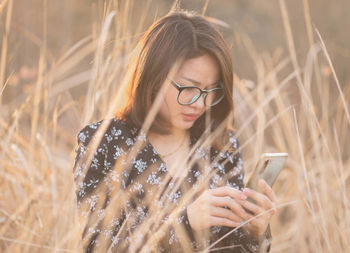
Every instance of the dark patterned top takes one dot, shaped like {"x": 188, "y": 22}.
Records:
{"x": 121, "y": 193}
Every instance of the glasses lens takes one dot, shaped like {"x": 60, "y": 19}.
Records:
{"x": 189, "y": 95}
{"x": 214, "y": 97}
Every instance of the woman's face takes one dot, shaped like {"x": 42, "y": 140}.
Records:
{"x": 203, "y": 72}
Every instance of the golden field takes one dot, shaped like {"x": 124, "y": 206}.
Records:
{"x": 64, "y": 64}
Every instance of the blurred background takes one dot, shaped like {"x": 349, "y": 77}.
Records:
{"x": 63, "y": 62}
{"x": 68, "y": 21}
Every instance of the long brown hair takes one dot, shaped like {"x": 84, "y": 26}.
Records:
{"x": 178, "y": 35}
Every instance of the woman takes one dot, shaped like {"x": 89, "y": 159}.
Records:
{"x": 165, "y": 174}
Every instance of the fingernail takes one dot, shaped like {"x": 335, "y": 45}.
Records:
{"x": 243, "y": 196}
{"x": 246, "y": 190}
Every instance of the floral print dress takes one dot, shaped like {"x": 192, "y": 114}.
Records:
{"x": 129, "y": 203}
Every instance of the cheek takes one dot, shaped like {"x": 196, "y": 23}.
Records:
{"x": 170, "y": 102}
{"x": 204, "y": 111}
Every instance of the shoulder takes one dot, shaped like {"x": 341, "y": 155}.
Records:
{"x": 106, "y": 130}
{"x": 228, "y": 141}
{"x": 227, "y": 145}
{"x": 232, "y": 139}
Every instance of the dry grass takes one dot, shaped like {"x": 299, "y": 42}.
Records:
{"x": 296, "y": 108}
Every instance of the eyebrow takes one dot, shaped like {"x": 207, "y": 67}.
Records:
{"x": 196, "y": 82}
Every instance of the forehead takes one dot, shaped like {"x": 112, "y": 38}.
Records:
{"x": 202, "y": 70}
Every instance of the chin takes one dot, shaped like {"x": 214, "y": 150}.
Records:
{"x": 184, "y": 125}
{"x": 187, "y": 125}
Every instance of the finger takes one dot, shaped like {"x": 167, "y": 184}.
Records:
{"x": 232, "y": 204}
{"x": 257, "y": 226}
{"x": 227, "y": 191}
{"x": 269, "y": 193}
{"x": 260, "y": 198}
{"x": 219, "y": 221}
{"x": 224, "y": 213}
{"x": 256, "y": 223}
{"x": 255, "y": 209}
{"x": 267, "y": 190}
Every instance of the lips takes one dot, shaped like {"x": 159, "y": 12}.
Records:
{"x": 190, "y": 117}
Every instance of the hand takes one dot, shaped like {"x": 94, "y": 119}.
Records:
{"x": 208, "y": 209}
{"x": 266, "y": 200}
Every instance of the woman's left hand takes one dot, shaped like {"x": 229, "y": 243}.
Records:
{"x": 265, "y": 203}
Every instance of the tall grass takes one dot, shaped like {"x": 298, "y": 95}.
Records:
{"x": 293, "y": 107}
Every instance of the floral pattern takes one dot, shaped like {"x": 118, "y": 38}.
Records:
{"x": 122, "y": 184}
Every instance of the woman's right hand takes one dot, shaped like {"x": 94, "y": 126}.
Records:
{"x": 208, "y": 209}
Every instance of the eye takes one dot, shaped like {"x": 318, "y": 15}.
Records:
{"x": 216, "y": 85}
{"x": 181, "y": 84}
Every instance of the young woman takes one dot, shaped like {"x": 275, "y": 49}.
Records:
{"x": 165, "y": 174}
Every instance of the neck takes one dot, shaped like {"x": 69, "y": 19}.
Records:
{"x": 174, "y": 136}
{"x": 170, "y": 144}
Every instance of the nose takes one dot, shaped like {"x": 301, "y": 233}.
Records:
{"x": 199, "y": 103}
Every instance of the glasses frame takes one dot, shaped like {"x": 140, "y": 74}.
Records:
{"x": 180, "y": 88}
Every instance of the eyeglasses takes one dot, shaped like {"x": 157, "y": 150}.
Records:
{"x": 190, "y": 94}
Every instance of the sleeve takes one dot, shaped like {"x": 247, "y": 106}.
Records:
{"x": 241, "y": 240}
{"x": 87, "y": 177}
{"x": 186, "y": 223}
{"x": 88, "y": 172}
{"x": 93, "y": 181}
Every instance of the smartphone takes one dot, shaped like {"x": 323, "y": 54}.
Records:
{"x": 267, "y": 168}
